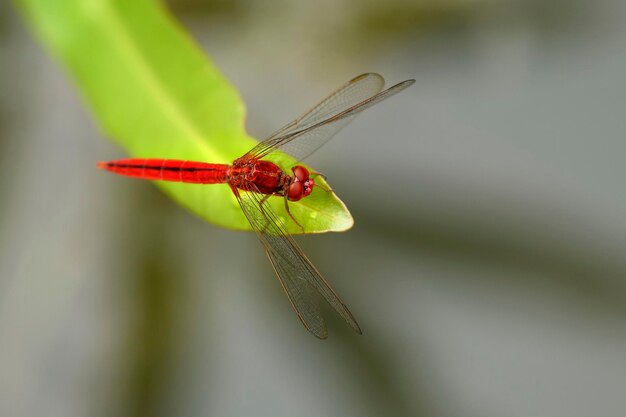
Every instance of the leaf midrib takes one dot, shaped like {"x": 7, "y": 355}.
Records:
{"x": 116, "y": 30}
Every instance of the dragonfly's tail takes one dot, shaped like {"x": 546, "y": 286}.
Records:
{"x": 168, "y": 170}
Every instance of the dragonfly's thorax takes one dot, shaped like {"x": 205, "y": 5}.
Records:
{"x": 269, "y": 178}
{"x": 266, "y": 176}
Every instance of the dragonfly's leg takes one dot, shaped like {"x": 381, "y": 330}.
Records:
{"x": 323, "y": 187}
{"x": 290, "y": 215}
{"x": 264, "y": 199}
{"x": 319, "y": 174}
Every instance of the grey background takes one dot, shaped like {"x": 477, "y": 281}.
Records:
{"x": 486, "y": 266}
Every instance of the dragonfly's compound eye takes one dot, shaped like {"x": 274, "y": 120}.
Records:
{"x": 295, "y": 191}
{"x": 301, "y": 173}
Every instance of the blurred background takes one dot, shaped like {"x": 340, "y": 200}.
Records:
{"x": 486, "y": 265}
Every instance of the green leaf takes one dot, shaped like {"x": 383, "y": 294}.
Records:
{"x": 156, "y": 94}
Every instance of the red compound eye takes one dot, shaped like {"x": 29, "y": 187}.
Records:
{"x": 296, "y": 191}
{"x": 300, "y": 172}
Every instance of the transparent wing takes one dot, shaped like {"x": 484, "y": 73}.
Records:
{"x": 354, "y": 91}
{"x": 300, "y": 294}
{"x": 295, "y": 272}
{"x": 306, "y": 134}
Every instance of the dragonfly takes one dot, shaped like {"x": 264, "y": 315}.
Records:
{"x": 253, "y": 179}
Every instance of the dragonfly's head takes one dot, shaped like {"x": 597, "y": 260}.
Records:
{"x": 301, "y": 186}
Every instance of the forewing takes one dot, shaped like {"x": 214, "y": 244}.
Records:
{"x": 348, "y": 95}
{"x": 295, "y": 272}
{"x": 353, "y": 92}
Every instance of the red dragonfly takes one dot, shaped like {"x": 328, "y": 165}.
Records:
{"x": 253, "y": 180}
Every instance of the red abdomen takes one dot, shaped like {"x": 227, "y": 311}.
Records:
{"x": 169, "y": 170}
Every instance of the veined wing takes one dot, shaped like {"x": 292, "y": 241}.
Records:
{"x": 306, "y": 134}
{"x": 353, "y": 92}
{"x": 295, "y": 272}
